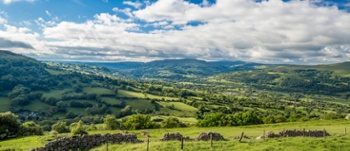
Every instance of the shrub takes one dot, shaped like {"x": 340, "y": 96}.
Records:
{"x": 111, "y": 122}
{"x": 30, "y": 128}
{"x": 79, "y": 128}
{"x": 139, "y": 121}
{"x": 60, "y": 127}
{"x": 9, "y": 126}
{"x": 172, "y": 122}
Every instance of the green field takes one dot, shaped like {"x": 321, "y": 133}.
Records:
{"x": 55, "y": 72}
{"x": 37, "y": 106}
{"x": 98, "y": 91}
{"x": 337, "y": 140}
{"x": 110, "y": 100}
{"x": 4, "y": 104}
{"x": 124, "y": 93}
{"x": 181, "y": 109}
{"x": 140, "y": 104}
{"x": 54, "y": 93}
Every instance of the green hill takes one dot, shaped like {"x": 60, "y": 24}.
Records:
{"x": 42, "y": 91}
{"x": 174, "y": 69}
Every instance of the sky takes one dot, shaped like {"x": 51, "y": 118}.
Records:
{"x": 264, "y": 31}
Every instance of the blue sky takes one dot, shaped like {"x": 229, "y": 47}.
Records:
{"x": 273, "y": 31}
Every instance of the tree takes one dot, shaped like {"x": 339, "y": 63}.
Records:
{"x": 9, "y": 126}
{"x": 269, "y": 119}
{"x": 127, "y": 110}
{"x": 139, "y": 121}
{"x": 30, "y": 128}
{"x": 79, "y": 128}
{"x": 60, "y": 127}
{"x": 172, "y": 122}
{"x": 111, "y": 122}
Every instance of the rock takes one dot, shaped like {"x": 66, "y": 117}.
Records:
{"x": 205, "y": 136}
{"x": 171, "y": 136}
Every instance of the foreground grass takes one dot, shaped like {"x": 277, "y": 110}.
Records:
{"x": 285, "y": 144}
{"x": 335, "y": 142}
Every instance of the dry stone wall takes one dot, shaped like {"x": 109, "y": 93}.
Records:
{"x": 297, "y": 133}
{"x": 171, "y": 136}
{"x": 87, "y": 142}
{"x": 205, "y": 136}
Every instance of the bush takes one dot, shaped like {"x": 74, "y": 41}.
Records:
{"x": 79, "y": 128}
{"x": 237, "y": 119}
{"x": 60, "y": 127}
{"x": 111, "y": 122}
{"x": 9, "y": 126}
{"x": 30, "y": 128}
{"x": 139, "y": 121}
{"x": 172, "y": 122}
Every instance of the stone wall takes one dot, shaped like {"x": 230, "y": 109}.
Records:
{"x": 205, "y": 136}
{"x": 297, "y": 133}
{"x": 171, "y": 136}
{"x": 87, "y": 141}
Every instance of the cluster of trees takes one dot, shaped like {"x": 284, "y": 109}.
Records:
{"x": 140, "y": 121}
{"x": 307, "y": 81}
{"x": 12, "y": 127}
{"x": 237, "y": 119}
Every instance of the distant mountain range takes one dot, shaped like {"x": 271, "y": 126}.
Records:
{"x": 174, "y": 68}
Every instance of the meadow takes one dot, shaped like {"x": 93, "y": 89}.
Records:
{"x": 337, "y": 141}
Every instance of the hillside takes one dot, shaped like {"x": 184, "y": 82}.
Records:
{"x": 44, "y": 93}
{"x": 173, "y": 69}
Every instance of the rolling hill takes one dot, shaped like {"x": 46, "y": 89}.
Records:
{"x": 174, "y": 69}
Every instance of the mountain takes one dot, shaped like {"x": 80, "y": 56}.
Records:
{"x": 175, "y": 69}
{"x": 332, "y": 79}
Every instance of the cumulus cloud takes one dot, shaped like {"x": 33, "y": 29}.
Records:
{"x": 268, "y": 31}
{"x": 136, "y": 4}
{"x": 2, "y": 20}
{"x": 12, "y": 1}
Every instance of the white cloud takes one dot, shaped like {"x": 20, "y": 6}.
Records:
{"x": 126, "y": 11}
{"x": 2, "y": 20}
{"x": 269, "y": 31}
{"x": 136, "y": 4}
{"x": 12, "y": 1}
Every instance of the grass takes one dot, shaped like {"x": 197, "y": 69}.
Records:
{"x": 4, "y": 104}
{"x": 190, "y": 120}
{"x": 98, "y": 91}
{"x": 124, "y": 93}
{"x": 181, "y": 109}
{"x": 111, "y": 100}
{"x": 37, "y": 106}
{"x": 285, "y": 144}
{"x": 75, "y": 110}
{"x": 54, "y": 72}
{"x": 140, "y": 104}
{"x": 54, "y": 93}
{"x": 335, "y": 142}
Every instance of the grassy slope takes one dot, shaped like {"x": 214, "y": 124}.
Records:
{"x": 334, "y": 142}
{"x": 4, "y": 104}
{"x": 340, "y": 68}
{"x": 125, "y": 93}
{"x": 181, "y": 109}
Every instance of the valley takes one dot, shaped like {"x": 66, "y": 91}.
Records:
{"x": 197, "y": 93}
